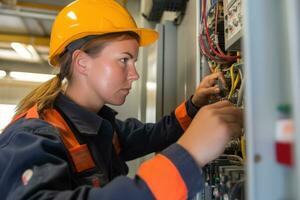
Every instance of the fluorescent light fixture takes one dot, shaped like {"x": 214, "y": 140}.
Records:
{"x": 7, "y": 111}
{"x": 151, "y": 85}
{"x": 2, "y": 73}
{"x": 34, "y": 54}
{"x": 30, "y": 77}
{"x": 21, "y": 50}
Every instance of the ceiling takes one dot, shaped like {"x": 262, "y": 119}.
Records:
{"x": 27, "y": 22}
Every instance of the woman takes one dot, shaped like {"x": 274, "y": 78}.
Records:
{"x": 65, "y": 143}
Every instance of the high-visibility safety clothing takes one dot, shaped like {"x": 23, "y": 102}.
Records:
{"x": 83, "y": 18}
{"x": 36, "y": 161}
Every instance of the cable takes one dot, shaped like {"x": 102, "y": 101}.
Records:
{"x": 210, "y": 42}
{"x": 205, "y": 52}
{"x": 235, "y": 157}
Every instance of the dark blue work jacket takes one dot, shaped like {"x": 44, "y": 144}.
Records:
{"x": 35, "y": 145}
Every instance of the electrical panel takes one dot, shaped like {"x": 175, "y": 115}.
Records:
{"x": 220, "y": 45}
{"x": 233, "y": 24}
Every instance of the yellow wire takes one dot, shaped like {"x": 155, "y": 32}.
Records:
{"x": 232, "y": 81}
{"x": 236, "y": 81}
{"x": 238, "y": 54}
{"x": 217, "y": 68}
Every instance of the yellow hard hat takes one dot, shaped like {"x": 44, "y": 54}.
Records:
{"x": 82, "y": 18}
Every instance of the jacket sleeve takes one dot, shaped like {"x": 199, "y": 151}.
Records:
{"x": 138, "y": 139}
{"x": 44, "y": 156}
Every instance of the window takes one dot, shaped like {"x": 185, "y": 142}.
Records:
{"x": 6, "y": 113}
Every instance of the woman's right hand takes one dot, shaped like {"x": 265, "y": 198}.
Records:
{"x": 211, "y": 129}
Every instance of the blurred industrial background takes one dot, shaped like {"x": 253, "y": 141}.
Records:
{"x": 254, "y": 43}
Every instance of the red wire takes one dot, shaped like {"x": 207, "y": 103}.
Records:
{"x": 205, "y": 52}
{"x": 210, "y": 42}
{"x": 216, "y": 19}
{"x": 203, "y": 47}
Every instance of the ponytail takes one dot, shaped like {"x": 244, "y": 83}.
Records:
{"x": 44, "y": 96}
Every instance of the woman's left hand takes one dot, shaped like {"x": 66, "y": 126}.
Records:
{"x": 206, "y": 88}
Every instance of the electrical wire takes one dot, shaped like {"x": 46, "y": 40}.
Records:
{"x": 205, "y": 51}
{"x": 209, "y": 40}
{"x": 243, "y": 147}
{"x": 232, "y": 81}
{"x": 233, "y": 157}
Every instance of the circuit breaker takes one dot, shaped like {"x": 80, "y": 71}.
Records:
{"x": 233, "y": 24}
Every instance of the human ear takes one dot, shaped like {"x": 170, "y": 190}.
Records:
{"x": 80, "y": 61}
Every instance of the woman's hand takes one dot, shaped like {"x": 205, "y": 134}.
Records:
{"x": 211, "y": 129}
{"x": 206, "y": 88}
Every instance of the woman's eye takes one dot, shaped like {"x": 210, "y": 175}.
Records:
{"x": 124, "y": 60}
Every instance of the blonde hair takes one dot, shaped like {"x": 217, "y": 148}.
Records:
{"x": 45, "y": 94}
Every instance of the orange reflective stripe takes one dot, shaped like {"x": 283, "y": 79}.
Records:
{"x": 182, "y": 116}
{"x": 17, "y": 117}
{"x": 81, "y": 157}
{"x": 163, "y": 179}
{"x": 80, "y": 154}
{"x": 32, "y": 112}
{"x": 54, "y": 118}
{"x": 116, "y": 143}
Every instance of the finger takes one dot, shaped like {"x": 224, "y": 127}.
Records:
{"x": 220, "y": 104}
{"x": 231, "y": 110}
{"x": 231, "y": 119}
{"x": 235, "y": 130}
{"x": 232, "y": 113}
{"x": 221, "y": 77}
{"x": 209, "y": 91}
{"x": 211, "y": 79}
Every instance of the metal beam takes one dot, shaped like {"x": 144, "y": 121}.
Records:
{"x": 41, "y": 6}
{"x": 33, "y": 40}
{"x": 30, "y": 14}
{"x": 19, "y": 66}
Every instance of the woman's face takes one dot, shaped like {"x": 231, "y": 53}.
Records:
{"x": 113, "y": 71}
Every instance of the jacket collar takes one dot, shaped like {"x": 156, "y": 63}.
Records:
{"x": 85, "y": 122}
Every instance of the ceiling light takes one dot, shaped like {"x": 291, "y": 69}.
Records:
{"x": 26, "y": 52}
{"x": 31, "y": 77}
{"x": 2, "y": 73}
{"x": 34, "y": 54}
{"x": 151, "y": 85}
{"x": 21, "y": 50}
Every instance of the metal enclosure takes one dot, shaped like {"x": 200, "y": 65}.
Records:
{"x": 272, "y": 70}
{"x": 188, "y": 57}
{"x": 161, "y": 73}
{"x": 272, "y": 78}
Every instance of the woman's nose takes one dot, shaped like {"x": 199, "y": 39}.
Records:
{"x": 133, "y": 74}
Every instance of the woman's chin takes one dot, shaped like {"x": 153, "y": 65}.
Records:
{"x": 118, "y": 102}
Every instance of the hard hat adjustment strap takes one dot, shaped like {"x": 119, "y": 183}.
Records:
{"x": 79, "y": 43}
